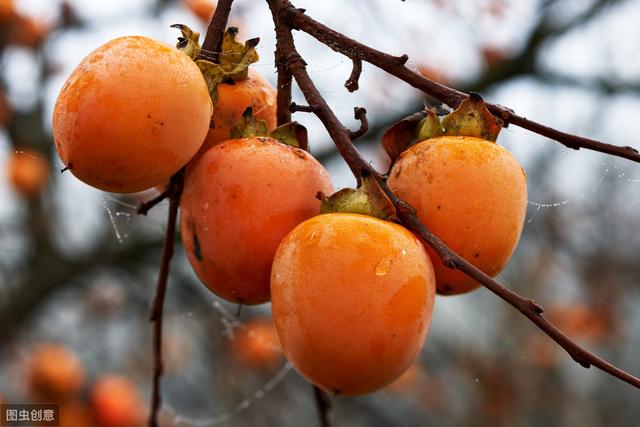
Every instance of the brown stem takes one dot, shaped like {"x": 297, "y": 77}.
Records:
{"x": 323, "y": 403}
{"x": 145, "y": 207}
{"x": 174, "y": 191}
{"x": 452, "y": 97}
{"x": 212, "y": 45}
{"x": 407, "y": 213}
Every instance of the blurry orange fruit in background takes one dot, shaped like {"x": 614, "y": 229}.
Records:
{"x": 257, "y": 345}
{"x": 27, "y": 172}
{"x": 203, "y": 9}
{"x": 116, "y": 402}
{"x": 54, "y": 373}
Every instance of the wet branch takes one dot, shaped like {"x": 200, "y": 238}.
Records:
{"x": 407, "y": 214}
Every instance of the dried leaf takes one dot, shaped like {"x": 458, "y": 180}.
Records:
{"x": 402, "y": 135}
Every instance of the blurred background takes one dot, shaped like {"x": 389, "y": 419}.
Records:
{"x": 78, "y": 266}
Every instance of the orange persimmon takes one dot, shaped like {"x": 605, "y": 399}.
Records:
{"x": 472, "y": 194}
{"x": 352, "y": 299}
{"x": 116, "y": 402}
{"x": 234, "y": 99}
{"x": 27, "y": 172}
{"x": 131, "y": 115}
{"x": 256, "y": 344}
{"x": 240, "y": 199}
{"x": 54, "y": 372}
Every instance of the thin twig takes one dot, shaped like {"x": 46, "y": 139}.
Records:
{"x": 360, "y": 114}
{"x": 452, "y": 97}
{"x": 145, "y": 207}
{"x": 174, "y": 191}
{"x": 352, "y": 82}
{"x": 294, "y": 108}
{"x": 323, "y": 403}
{"x": 212, "y": 42}
{"x": 407, "y": 214}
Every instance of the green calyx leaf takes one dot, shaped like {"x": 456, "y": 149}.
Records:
{"x": 430, "y": 126}
{"x": 367, "y": 199}
{"x": 293, "y": 133}
{"x": 472, "y": 118}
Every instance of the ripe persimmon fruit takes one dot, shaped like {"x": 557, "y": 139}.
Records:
{"x": 256, "y": 344}
{"x": 469, "y": 192}
{"x": 54, "y": 372}
{"x": 27, "y": 172}
{"x": 352, "y": 299}
{"x": 131, "y": 115}
{"x": 241, "y": 197}
{"x": 116, "y": 402}
{"x": 233, "y": 100}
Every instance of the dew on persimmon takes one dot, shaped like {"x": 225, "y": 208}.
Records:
{"x": 352, "y": 299}
{"x": 131, "y": 114}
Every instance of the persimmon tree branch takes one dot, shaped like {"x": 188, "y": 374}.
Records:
{"x": 395, "y": 65}
{"x": 211, "y": 48}
{"x": 283, "y": 11}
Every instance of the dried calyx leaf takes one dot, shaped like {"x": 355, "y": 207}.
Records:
{"x": 402, "y": 135}
{"x": 189, "y": 43}
{"x": 249, "y": 126}
{"x": 235, "y": 57}
{"x": 367, "y": 199}
{"x": 293, "y": 133}
{"x": 472, "y": 118}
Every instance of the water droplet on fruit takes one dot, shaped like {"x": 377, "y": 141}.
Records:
{"x": 383, "y": 267}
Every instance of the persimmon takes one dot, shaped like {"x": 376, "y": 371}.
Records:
{"x": 131, "y": 115}
{"x": 116, "y": 402}
{"x": 352, "y": 299}
{"x": 75, "y": 413}
{"x": 7, "y": 11}
{"x": 233, "y": 100}
{"x": 27, "y": 172}
{"x": 29, "y": 32}
{"x": 469, "y": 191}
{"x": 256, "y": 345}
{"x": 54, "y": 372}
{"x": 203, "y": 9}
{"x": 241, "y": 197}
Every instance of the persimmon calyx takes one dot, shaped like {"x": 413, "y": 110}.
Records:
{"x": 293, "y": 133}
{"x": 189, "y": 43}
{"x": 368, "y": 199}
{"x": 235, "y": 57}
{"x": 471, "y": 118}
